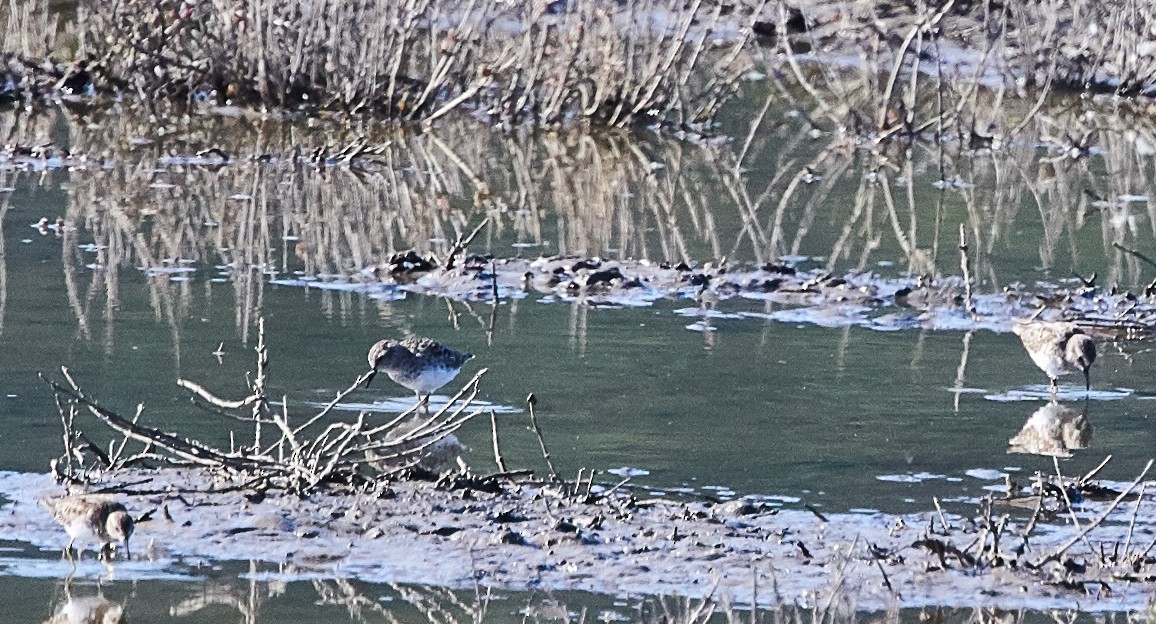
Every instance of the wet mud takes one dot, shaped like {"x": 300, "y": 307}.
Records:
{"x": 541, "y": 536}
{"x": 795, "y": 291}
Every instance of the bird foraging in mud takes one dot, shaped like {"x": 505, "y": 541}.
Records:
{"x": 420, "y": 364}
{"x": 1058, "y": 348}
{"x": 90, "y": 520}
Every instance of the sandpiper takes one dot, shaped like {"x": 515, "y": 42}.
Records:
{"x": 92, "y": 520}
{"x": 420, "y": 364}
{"x": 1058, "y": 348}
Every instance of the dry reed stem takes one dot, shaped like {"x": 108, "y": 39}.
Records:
{"x": 1082, "y": 534}
{"x": 548, "y": 68}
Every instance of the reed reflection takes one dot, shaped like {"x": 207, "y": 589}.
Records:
{"x": 246, "y": 597}
{"x": 224, "y": 199}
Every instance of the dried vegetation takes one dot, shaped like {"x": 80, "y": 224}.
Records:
{"x": 560, "y": 64}
{"x": 360, "y": 201}
{"x": 285, "y": 454}
{"x": 525, "y": 63}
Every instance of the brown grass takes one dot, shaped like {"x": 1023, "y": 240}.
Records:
{"x": 532, "y": 63}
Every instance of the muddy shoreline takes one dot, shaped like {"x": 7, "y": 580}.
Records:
{"x": 533, "y": 537}
{"x": 799, "y": 291}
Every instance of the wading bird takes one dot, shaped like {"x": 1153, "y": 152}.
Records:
{"x": 420, "y": 364}
{"x": 1058, "y": 348}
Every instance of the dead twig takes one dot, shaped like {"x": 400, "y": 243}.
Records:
{"x": 461, "y": 244}
{"x": 186, "y": 449}
{"x": 1133, "y": 252}
{"x": 965, "y": 266}
{"x": 497, "y": 451}
{"x": 1055, "y": 555}
{"x": 531, "y": 401}
{"x": 200, "y": 392}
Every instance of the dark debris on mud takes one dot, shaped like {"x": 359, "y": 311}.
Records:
{"x": 802, "y": 291}
{"x": 464, "y": 531}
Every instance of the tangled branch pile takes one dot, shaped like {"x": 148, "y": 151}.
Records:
{"x": 354, "y": 455}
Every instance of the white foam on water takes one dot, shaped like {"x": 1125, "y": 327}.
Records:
{"x": 1043, "y": 392}
{"x": 918, "y": 477}
{"x": 627, "y": 471}
{"x": 986, "y": 474}
{"x": 397, "y": 405}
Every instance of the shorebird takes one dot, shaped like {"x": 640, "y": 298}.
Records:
{"x": 1058, "y": 348}
{"x": 420, "y": 364}
{"x": 92, "y": 520}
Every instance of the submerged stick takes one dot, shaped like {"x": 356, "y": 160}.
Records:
{"x": 261, "y": 405}
{"x": 531, "y": 401}
{"x": 961, "y": 372}
{"x": 964, "y": 265}
{"x": 1133, "y": 252}
{"x": 494, "y": 434}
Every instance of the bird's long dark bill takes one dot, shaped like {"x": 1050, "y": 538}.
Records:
{"x": 127, "y": 552}
{"x": 1087, "y": 381}
{"x": 372, "y": 374}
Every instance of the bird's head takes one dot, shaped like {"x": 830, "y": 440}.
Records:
{"x": 382, "y": 351}
{"x": 120, "y": 526}
{"x": 1081, "y": 349}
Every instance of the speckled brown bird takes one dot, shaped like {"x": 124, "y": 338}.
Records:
{"x": 1058, "y": 348}
{"x": 92, "y": 520}
{"x": 420, "y": 364}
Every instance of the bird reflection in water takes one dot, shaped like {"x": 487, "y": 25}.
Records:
{"x": 1053, "y": 430}
{"x": 93, "y": 609}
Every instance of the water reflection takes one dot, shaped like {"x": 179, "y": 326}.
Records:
{"x": 1053, "y": 430}
{"x": 87, "y": 609}
{"x": 345, "y": 600}
{"x": 246, "y": 598}
{"x": 288, "y": 200}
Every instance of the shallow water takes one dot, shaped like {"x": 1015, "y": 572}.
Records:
{"x": 219, "y": 595}
{"x": 752, "y": 400}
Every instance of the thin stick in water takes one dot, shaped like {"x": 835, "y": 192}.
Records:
{"x": 497, "y": 450}
{"x": 965, "y": 266}
{"x": 531, "y": 401}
